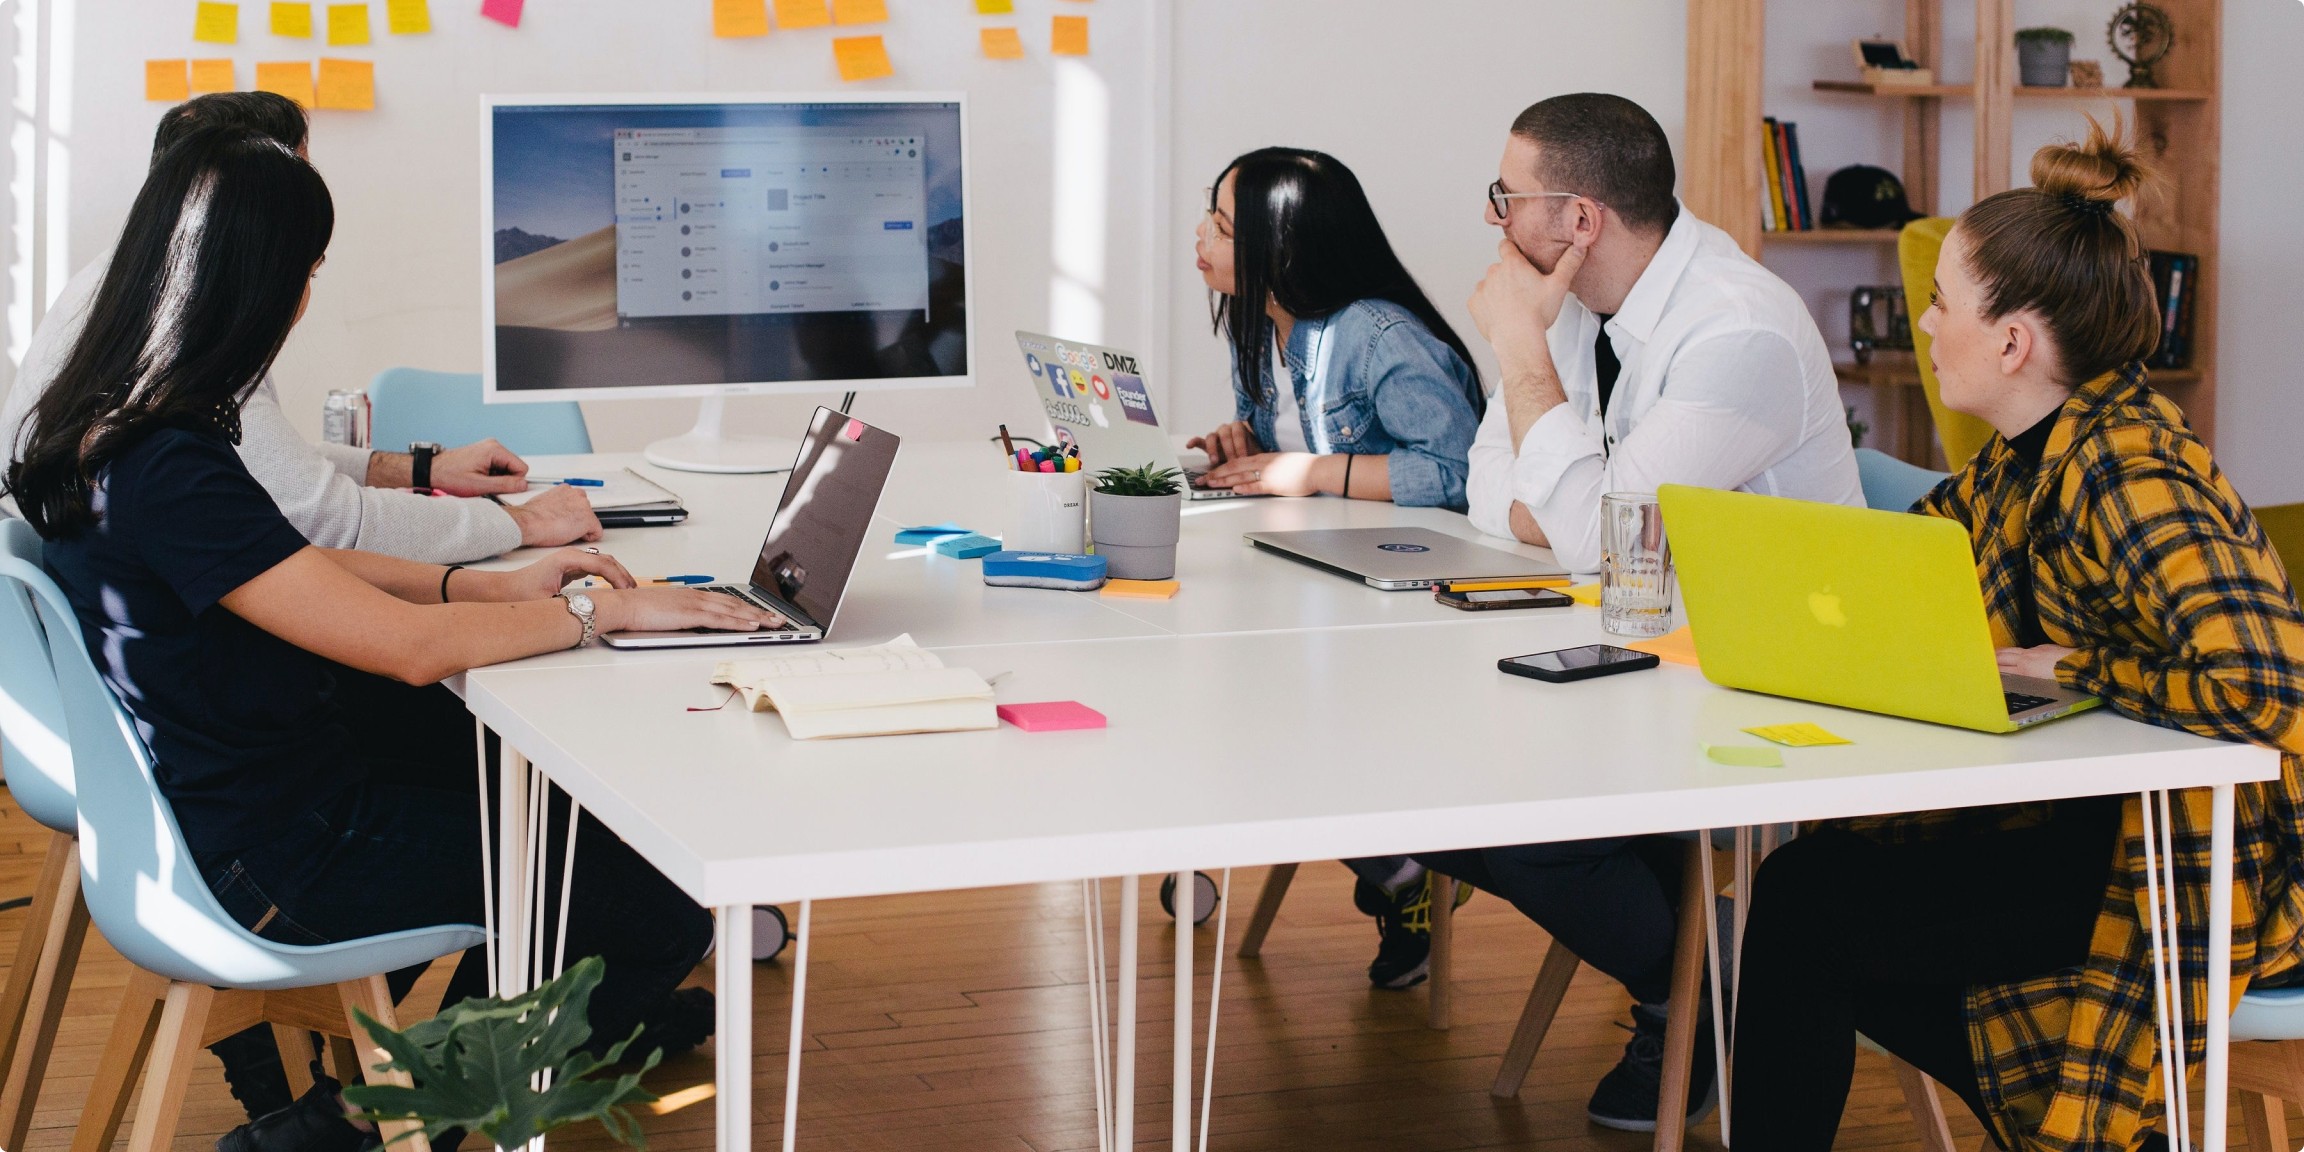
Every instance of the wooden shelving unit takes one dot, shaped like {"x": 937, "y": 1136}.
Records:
{"x": 2180, "y": 125}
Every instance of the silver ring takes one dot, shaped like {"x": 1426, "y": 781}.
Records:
{"x": 1257, "y": 474}
{"x": 594, "y": 551}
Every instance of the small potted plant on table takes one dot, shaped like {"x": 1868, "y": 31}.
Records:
{"x": 2043, "y": 56}
{"x": 1135, "y": 516}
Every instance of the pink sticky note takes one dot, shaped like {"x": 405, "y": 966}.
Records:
{"x": 505, "y": 12}
{"x": 1052, "y": 716}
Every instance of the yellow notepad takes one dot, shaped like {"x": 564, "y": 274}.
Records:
{"x": 347, "y": 85}
{"x": 1141, "y": 589}
{"x": 214, "y": 23}
{"x": 167, "y": 80}
{"x": 733, "y": 19}
{"x": 1001, "y": 43}
{"x": 862, "y": 58}
{"x": 1677, "y": 646}
{"x": 347, "y": 25}
{"x": 1798, "y": 735}
{"x": 292, "y": 20}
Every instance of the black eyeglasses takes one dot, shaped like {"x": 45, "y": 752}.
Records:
{"x": 1501, "y": 201}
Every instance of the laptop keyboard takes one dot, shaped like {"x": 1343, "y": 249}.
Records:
{"x": 2019, "y": 703}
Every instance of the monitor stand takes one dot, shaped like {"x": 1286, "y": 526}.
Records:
{"x": 705, "y": 448}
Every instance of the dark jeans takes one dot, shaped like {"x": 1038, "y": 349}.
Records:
{"x": 1848, "y": 935}
{"x": 1612, "y": 901}
{"x": 402, "y": 850}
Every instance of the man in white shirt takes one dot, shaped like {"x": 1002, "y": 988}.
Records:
{"x": 337, "y": 496}
{"x": 1638, "y": 346}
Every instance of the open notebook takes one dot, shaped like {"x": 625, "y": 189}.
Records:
{"x": 883, "y": 690}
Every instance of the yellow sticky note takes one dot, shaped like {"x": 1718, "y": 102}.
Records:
{"x": 216, "y": 23}
{"x": 1677, "y": 646}
{"x": 1002, "y": 43}
{"x": 291, "y": 78}
{"x": 862, "y": 58}
{"x": 292, "y": 20}
{"x": 995, "y": 7}
{"x": 1068, "y": 36}
{"x": 1798, "y": 735}
{"x": 1586, "y": 594}
{"x": 1743, "y": 756}
{"x": 1141, "y": 589}
{"x": 347, "y": 25}
{"x": 802, "y": 14}
{"x": 349, "y": 85}
{"x": 167, "y": 80}
{"x": 846, "y": 12}
{"x": 213, "y": 76}
{"x": 734, "y": 18}
{"x": 408, "y": 17}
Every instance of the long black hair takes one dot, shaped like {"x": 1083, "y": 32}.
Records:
{"x": 1305, "y": 237}
{"x": 201, "y": 292}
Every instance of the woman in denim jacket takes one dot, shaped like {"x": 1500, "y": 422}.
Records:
{"x": 1380, "y": 400}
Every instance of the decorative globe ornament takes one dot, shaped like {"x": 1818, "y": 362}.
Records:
{"x": 2141, "y": 36}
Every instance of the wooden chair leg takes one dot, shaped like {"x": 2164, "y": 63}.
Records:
{"x": 1535, "y": 1019}
{"x": 2266, "y": 1122}
{"x": 1268, "y": 900}
{"x": 123, "y": 1061}
{"x": 60, "y": 920}
{"x": 1927, "y": 1107}
{"x": 372, "y": 997}
{"x": 345, "y": 1057}
{"x": 295, "y": 1046}
{"x": 174, "y": 1047}
{"x": 1440, "y": 978}
{"x": 1680, "y": 1021}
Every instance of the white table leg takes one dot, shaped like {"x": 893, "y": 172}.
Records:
{"x": 511, "y": 871}
{"x": 1180, "y": 1107}
{"x": 1124, "y": 1090}
{"x": 799, "y": 1036}
{"x": 487, "y": 854}
{"x": 732, "y": 1068}
{"x": 2219, "y": 964}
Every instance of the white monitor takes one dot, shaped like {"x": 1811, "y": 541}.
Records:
{"x": 715, "y": 246}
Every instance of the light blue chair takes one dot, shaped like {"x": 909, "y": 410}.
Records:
{"x": 412, "y": 404}
{"x": 199, "y": 976}
{"x": 1891, "y": 485}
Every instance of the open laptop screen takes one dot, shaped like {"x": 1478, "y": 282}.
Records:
{"x": 826, "y": 510}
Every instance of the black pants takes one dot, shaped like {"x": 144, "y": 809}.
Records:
{"x": 1847, "y": 935}
{"x": 402, "y": 850}
{"x": 1613, "y": 902}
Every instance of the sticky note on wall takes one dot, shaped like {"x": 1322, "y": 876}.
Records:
{"x": 347, "y": 25}
{"x": 995, "y": 7}
{"x": 292, "y": 78}
{"x": 1002, "y": 43}
{"x": 167, "y": 80}
{"x": 505, "y": 12}
{"x": 216, "y": 23}
{"x": 408, "y": 17}
{"x": 862, "y": 58}
{"x": 292, "y": 20}
{"x": 733, "y": 18}
{"x": 347, "y": 85}
{"x": 802, "y": 14}
{"x": 213, "y": 76}
{"x": 1068, "y": 35}
{"x": 847, "y": 12}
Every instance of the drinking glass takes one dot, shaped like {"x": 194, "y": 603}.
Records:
{"x": 1635, "y": 567}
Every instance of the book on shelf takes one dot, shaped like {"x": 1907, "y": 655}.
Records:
{"x": 2175, "y": 285}
{"x": 1799, "y": 173}
{"x": 1772, "y": 190}
{"x": 1785, "y": 206}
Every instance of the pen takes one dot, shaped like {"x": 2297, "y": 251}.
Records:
{"x": 1503, "y": 585}
{"x": 571, "y": 481}
{"x": 1007, "y": 445}
{"x": 679, "y": 580}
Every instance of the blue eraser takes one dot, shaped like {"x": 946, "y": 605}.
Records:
{"x": 1044, "y": 570}
{"x": 929, "y": 533}
{"x": 966, "y": 547}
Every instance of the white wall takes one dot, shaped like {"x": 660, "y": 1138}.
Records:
{"x": 2260, "y": 425}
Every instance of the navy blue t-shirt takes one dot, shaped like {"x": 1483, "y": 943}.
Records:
{"x": 243, "y": 726}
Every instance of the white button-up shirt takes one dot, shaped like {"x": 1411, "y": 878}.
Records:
{"x": 1725, "y": 383}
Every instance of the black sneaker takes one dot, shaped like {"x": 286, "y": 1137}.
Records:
{"x": 1626, "y": 1097}
{"x": 1403, "y": 931}
{"x": 679, "y": 1025}
{"x": 314, "y": 1123}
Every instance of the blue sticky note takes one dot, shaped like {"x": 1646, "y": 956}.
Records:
{"x": 966, "y": 547}
{"x": 928, "y": 533}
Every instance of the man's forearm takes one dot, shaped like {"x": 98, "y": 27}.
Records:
{"x": 1531, "y": 388}
{"x": 390, "y": 470}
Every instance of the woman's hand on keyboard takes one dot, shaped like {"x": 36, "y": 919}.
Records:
{"x": 677, "y": 609}
{"x": 2037, "y": 663}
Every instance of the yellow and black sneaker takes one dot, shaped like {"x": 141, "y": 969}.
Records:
{"x": 1403, "y": 930}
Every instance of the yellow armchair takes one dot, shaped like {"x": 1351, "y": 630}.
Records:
{"x": 1916, "y": 249}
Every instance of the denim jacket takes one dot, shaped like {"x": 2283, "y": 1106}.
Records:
{"x": 1371, "y": 379}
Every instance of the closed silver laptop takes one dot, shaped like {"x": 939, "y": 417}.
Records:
{"x": 1396, "y": 559}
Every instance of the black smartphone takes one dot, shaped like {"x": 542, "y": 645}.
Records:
{"x": 1504, "y": 598}
{"x": 1584, "y": 663}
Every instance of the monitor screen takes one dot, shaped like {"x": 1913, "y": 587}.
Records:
{"x": 747, "y": 245}
{"x": 826, "y": 510}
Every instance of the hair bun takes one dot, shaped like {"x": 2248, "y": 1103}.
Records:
{"x": 2092, "y": 175}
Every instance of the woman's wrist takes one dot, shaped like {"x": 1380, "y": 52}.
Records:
{"x": 609, "y": 609}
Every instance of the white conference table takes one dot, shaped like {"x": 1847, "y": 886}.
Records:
{"x": 1265, "y": 715}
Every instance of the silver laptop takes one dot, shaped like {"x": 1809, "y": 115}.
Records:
{"x": 1095, "y": 397}
{"x": 1395, "y": 559}
{"x": 813, "y": 541}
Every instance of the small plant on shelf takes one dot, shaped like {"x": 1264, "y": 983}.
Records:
{"x": 2043, "y": 36}
{"x": 2043, "y": 57}
{"x": 1149, "y": 480}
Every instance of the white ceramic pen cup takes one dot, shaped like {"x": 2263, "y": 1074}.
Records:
{"x": 1047, "y": 512}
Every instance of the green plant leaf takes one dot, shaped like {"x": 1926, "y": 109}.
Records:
{"x": 1148, "y": 480}
{"x": 475, "y": 1066}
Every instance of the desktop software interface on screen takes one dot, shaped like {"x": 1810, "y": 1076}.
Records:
{"x": 648, "y": 245}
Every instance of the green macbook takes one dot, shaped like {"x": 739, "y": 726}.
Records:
{"x": 1878, "y": 611}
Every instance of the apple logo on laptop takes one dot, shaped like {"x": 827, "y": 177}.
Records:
{"x": 1826, "y": 607}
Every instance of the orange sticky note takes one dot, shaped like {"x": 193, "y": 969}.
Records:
{"x": 739, "y": 18}
{"x": 1002, "y": 43}
{"x": 802, "y": 14}
{"x": 292, "y": 20}
{"x": 846, "y": 12}
{"x": 213, "y": 76}
{"x": 408, "y": 17}
{"x": 862, "y": 58}
{"x": 290, "y": 78}
{"x": 995, "y": 7}
{"x": 347, "y": 25}
{"x": 349, "y": 85}
{"x": 1140, "y": 589}
{"x": 216, "y": 23}
{"x": 1676, "y": 647}
{"x": 1068, "y": 36}
{"x": 167, "y": 80}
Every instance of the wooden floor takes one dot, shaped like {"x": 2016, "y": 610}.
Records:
{"x": 958, "y": 1023}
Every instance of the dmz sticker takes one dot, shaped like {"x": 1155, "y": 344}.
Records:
{"x": 1135, "y": 402}
{"x": 1403, "y": 548}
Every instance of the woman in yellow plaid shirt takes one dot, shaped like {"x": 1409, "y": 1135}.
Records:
{"x": 2002, "y": 950}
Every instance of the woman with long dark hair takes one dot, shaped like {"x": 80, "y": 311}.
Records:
{"x": 1379, "y": 399}
{"x": 323, "y": 780}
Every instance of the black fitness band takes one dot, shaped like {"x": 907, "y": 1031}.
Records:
{"x": 444, "y": 574}
{"x": 1347, "y": 475}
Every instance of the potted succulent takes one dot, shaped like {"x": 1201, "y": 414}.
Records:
{"x": 2043, "y": 57}
{"x": 1135, "y": 516}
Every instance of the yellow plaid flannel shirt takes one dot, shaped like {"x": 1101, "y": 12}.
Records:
{"x": 2145, "y": 561}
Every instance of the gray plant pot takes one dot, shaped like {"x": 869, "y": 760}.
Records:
{"x": 2043, "y": 63}
{"x": 1136, "y": 535}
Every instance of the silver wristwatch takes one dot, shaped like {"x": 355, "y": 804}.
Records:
{"x": 580, "y": 606}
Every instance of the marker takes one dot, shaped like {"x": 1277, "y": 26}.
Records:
{"x": 571, "y": 481}
{"x": 1047, "y": 465}
{"x": 1504, "y": 585}
{"x": 679, "y": 580}
{"x": 1005, "y": 442}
